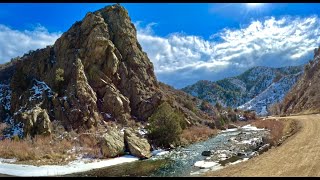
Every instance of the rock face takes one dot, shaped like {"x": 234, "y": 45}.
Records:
{"x": 36, "y": 121}
{"x": 137, "y": 146}
{"x": 304, "y": 96}
{"x": 95, "y": 71}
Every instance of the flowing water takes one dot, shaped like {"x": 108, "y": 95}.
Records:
{"x": 181, "y": 161}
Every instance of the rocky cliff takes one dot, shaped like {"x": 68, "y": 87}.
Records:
{"x": 94, "y": 73}
{"x": 304, "y": 96}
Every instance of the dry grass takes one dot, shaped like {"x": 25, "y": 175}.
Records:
{"x": 276, "y": 128}
{"x": 38, "y": 148}
{"x": 196, "y": 134}
{"x": 90, "y": 145}
{"x": 3, "y": 126}
{"x": 42, "y": 150}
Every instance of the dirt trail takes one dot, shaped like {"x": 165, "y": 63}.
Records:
{"x": 297, "y": 156}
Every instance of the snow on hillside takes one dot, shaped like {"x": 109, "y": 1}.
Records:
{"x": 254, "y": 89}
{"x": 5, "y": 117}
{"x": 37, "y": 90}
{"x": 5, "y": 97}
{"x": 273, "y": 94}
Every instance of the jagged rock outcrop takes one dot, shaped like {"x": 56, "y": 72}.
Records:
{"x": 304, "y": 96}
{"x": 36, "y": 121}
{"x": 95, "y": 71}
{"x": 137, "y": 146}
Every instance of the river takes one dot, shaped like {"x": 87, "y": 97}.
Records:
{"x": 228, "y": 147}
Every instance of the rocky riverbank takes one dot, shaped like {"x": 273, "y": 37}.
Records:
{"x": 240, "y": 144}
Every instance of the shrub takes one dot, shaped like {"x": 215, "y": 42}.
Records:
{"x": 196, "y": 133}
{"x": 249, "y": 115}
{"x": 232, "y": 116}
{"x": 189, "y": 105}
{"x": 218, "y": 106}
{"x": 59, "y": 75}
{"x": 275, "y": 127}
{"x": 3, "y": 126}
{"x": 222, "y": 121}
{"x": 59, "y": 79}
{"x": 165, "y": 125}
{"x": 205, "y": 106}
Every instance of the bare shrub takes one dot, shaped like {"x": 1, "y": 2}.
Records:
{"x": 274, "y": 109}
{"x": 196, "y": 133}
{"x": 276, "y": 129}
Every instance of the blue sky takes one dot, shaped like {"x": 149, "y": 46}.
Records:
{"x": 186, "y": 42}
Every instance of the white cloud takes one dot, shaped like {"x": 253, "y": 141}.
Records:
{"x": 181, "y": 59}
{"x": 15, "y": 43}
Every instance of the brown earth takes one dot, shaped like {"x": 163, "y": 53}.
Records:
{"x": 297, "y": 156}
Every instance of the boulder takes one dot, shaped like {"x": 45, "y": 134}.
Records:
{"x": 112, "y": 143}
{"x": 206, "y": 153}
{"x": 137, "y": 146}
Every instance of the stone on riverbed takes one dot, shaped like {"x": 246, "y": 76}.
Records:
{"x": 206, "y": 153}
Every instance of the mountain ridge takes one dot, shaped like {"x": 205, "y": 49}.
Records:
{"x": 239, "y": 90}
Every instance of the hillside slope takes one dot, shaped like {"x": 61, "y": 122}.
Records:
{"x": 273, "y": 94}
{"x": 248, "y": 89}
{"x": 304, "y": 96}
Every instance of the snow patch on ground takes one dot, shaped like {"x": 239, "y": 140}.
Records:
{"x": 80, "y": 165}
{"x": 249, "y": 127}
{"x": 159, "y": 152}
{"x": 206, "y": 164}
{"x": 2, "y": 160}
{"x": 239, "y": 161}
{"x": 229, "y": 130}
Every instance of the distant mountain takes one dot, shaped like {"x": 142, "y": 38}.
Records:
{"x": 304, "y": 98}
{"x": 255, "y": 89}
{"x": 274, "y": 93}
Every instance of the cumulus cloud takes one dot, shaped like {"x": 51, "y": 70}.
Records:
{"x": 181, "y": 59}
{"x": 15, "y": 43}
